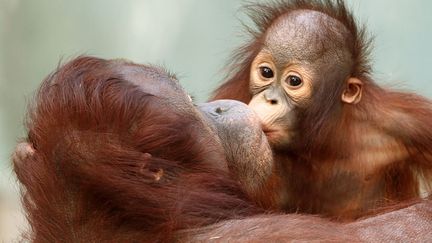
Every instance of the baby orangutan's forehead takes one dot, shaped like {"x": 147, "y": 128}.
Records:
{"x": 305, "y": 35}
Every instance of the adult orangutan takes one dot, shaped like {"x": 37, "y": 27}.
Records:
{"x": 117, "y": 152}
{"x": 343, "y": 145}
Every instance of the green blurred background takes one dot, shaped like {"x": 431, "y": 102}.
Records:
{"x": 193, "y": 38}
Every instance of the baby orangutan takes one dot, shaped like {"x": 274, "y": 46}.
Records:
{"x": 343, "y": 145}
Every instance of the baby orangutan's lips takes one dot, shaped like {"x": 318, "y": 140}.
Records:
{"x": 268, "y": 130}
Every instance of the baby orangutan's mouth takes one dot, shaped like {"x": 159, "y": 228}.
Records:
{"x": 268, "y": 130}
{"x": 276, "y": 136}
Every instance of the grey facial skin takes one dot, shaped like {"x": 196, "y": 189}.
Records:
{"x": 233, "y": 121}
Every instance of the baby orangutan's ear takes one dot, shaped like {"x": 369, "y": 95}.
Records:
{"x": 353, "y": 92}
{"x": 22, "y": 152}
